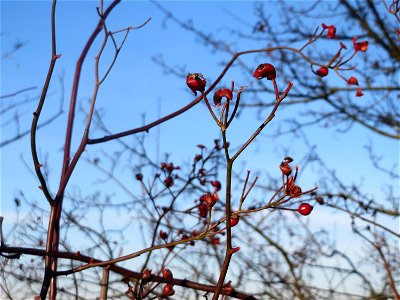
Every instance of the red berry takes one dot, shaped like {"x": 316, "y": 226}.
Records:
{"x": 363, "y": 46}
{"x": 196, "y": 82}
{"x": 168, "y": 290}
{"x": 323, "y": 71}
{"x": 167, "y": 274}
{"x": 163, "y": 235}
{"x": 139, "y": 176}
{"x": 169, "y": 181}
{"x": 265, "y": 70}
{"x": 146, "y": 274}
{"x": 305, "y": 209}
{"x": 216, "y": 184}
{"x": 359, "y": 92}
{"x": 234, "y": 220}
{"x": 285, "y": 168}
{"x": 331, "y": 30}
{"x": 203, "y": 209}
{"x": 352, "y": 81}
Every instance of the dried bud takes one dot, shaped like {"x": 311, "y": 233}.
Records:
{"x": 290, "y": 183}
{"x": 288, "y": 159}
{"x": 236, "y": 249}
{"x": 139, "y": 176}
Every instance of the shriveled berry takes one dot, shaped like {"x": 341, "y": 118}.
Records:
{"x": 265, "y": 70}
{"x": 295, "y": 191}
{"x": 285, "y": 168}
{"x": 196, "y": 82}
{"x": 227, "y": 93}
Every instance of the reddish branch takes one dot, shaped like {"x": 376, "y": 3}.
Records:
{"x": 127, "y": 275}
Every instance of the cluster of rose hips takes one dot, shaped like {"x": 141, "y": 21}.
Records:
{"x": 358, "y": 46}
{"x": 291, "y": 189}
{"x": 168, "y": 289}
{"x": 169, "y": 168}
{"x": 207, "y": 201}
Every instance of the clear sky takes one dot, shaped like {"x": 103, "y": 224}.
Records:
{"x": 137, "y": 86}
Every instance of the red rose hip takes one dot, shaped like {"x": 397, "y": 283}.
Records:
{"x": 305, "y": 209}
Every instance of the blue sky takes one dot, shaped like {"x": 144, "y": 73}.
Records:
{"x": 138, "y": 86}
